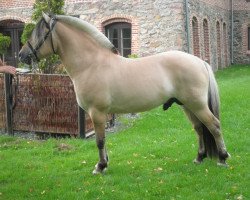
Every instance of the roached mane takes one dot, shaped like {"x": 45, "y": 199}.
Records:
{"x": 88, "y": 28}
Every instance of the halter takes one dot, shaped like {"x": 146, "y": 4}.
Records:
{"x": 41, "y": 42}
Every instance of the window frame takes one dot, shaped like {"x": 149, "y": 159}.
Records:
{"x": 120, "y": 26}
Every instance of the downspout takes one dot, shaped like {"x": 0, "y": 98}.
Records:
{"x": 187, "y": 25}
{"x": 232, "y": 33}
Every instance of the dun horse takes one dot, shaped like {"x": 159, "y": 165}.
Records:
{"x": 105, "y": 82}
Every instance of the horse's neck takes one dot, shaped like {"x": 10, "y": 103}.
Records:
{"x": 77, "y": 50}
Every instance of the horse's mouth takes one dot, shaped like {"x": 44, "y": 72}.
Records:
{"x": 26, "y": 59}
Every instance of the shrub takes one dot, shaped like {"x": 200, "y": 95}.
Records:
{"x": 4, "y": 43}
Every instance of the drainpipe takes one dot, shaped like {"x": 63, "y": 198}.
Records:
{"x": 232, "y": 32}
{"x": 187, "y": 25}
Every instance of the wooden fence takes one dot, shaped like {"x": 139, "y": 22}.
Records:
{"x": 42, "y": 103}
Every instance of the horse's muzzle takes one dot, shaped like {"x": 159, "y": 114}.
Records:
{"x": 25, "y": 58}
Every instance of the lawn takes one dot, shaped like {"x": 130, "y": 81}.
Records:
{"x": 151, "y": 158}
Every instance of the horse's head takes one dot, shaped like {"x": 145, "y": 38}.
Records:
{"x": 40, "y": 43}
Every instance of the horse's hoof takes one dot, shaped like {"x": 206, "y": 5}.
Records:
{"x": 222, "y": 159}
{"x": 197, "y": 162}
{"x": 99, "y": 169}
{"x": 96, "y": 172}
{"x": 222, "y": 164}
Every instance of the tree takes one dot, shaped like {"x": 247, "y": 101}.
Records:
{"x": 48, "y": 6}
{"x": 4, "y": 44}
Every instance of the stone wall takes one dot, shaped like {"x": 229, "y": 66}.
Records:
{"x": 241, "y": 14}
{"x": 157, "y": 25}
{"x": 216, "y": 16}
{"x": 16, "y": 10}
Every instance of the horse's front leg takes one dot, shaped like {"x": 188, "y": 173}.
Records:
{"x": 99, "y": 120}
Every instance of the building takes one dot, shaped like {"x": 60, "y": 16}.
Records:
{"x": 217, "y": 31}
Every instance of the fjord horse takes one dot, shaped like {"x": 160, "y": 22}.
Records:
{"x": 105, "y": 82}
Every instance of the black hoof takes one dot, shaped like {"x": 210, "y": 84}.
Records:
{"x": 100, "y": 168}
{"x": 223, "y": 156}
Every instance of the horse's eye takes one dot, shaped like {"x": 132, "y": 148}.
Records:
{"x": 46, "y": 25}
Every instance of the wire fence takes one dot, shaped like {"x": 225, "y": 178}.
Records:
{"x": 42, "y": 103}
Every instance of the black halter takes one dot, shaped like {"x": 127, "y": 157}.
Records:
{"x": 41, "y": 42}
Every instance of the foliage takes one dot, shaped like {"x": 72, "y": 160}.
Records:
{"x": 5, "y": 42}
{"x": 152, "y": 159}
{"x": 47, "y": 65}
{"x": 133, "y": 56}
{"x": 47, "y": 6}
{"x": 28, "y": 28}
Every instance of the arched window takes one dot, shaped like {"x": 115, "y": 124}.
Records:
{"x": 206, "y": 41}
{"x": 196, "y": 41}
{"x": 225, "y": 43}
{"x": 218, "y": 44}
{"x": 248, "y": 36}
{"x": 119, "y": 34}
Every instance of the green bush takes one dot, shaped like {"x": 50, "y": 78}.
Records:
{"x": 133, "y": 56}
{"x": 28, "y": 28}
{"x": 4, "y": 43}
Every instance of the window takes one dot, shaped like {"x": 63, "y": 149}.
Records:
{"x": 249, "y": 38}
{"x": 196, "y": 40}
{"x": 225, "y": 43}
{"x": 206, "y": 41}
{"x": 218, "y": 44}
{"x": 120, "y": 35}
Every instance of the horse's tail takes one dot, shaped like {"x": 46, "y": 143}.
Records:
{"x": 214, "y": 106}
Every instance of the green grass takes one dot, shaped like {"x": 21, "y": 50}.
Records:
{"x": 152, "y": 159}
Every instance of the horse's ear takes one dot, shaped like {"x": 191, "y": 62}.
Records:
{"x": 46, "y": 17}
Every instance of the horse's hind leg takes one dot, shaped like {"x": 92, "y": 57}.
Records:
{"x": 198, "y": 127}
{"x": 213, "y": 125}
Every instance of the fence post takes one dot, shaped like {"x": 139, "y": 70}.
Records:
{"x": 8, "y": 103}
{"x": 81, "y": 122}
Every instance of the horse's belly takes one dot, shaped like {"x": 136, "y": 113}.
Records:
{"x": 142, "y": 92}
{"x": 138, "y": 101}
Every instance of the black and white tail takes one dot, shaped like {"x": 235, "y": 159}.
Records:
{"x": 214, "y": 106}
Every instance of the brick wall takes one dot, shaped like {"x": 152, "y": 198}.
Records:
{"x": 8, "y": 4}
{"x": 241, "y": 5}
{"x": 16, "y": 10}
{"x": 223, "y": 4}
{"x": 213, "y": 12}
{"x": 242, "y": 22}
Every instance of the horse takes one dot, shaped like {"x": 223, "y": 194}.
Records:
{"x": 105, "y": 82}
